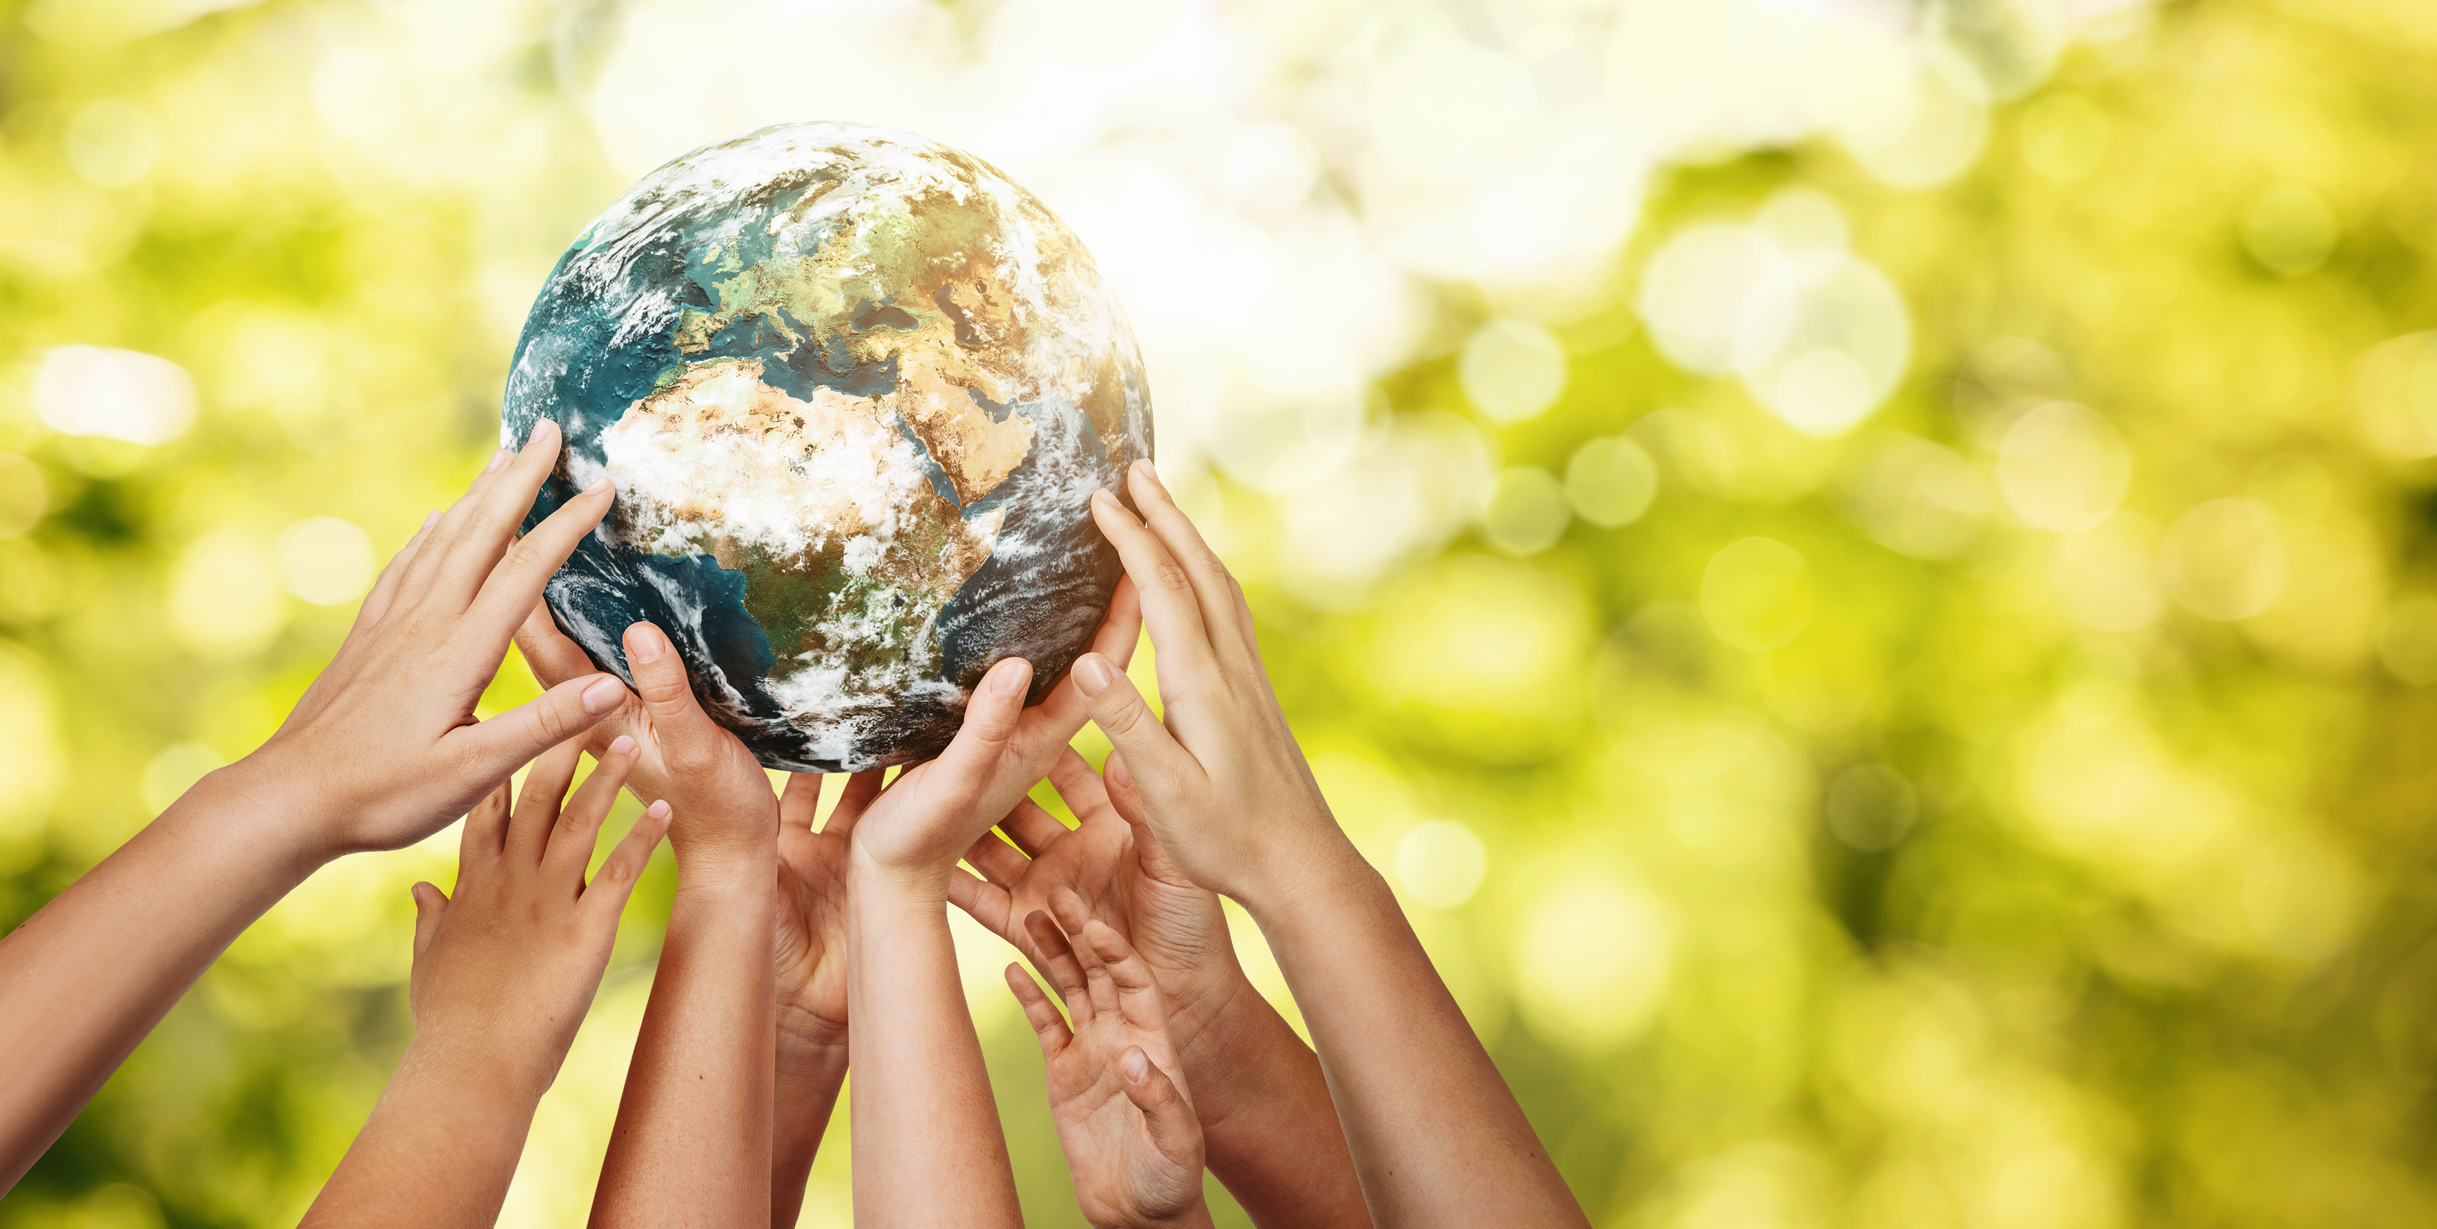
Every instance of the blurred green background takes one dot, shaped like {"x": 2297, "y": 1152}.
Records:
{"x": 1865, "y": 566}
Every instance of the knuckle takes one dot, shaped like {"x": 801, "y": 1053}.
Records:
{"x": 1171, "y": 575}
{"x": 523, "y": 556}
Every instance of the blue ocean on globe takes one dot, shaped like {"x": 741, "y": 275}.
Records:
{"x": 856, "y": 389}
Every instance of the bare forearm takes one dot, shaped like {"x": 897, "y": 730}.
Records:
{"x": 440, "y": 1149}
{"x": 85, "y": 978}
{"x": 692, "y": 1140}
{"x": 1269, "y": 1130}
{"x": 804, "y": 1095}
{"x": 928, "y": 1150}
{"x": 1434, "y": 1132}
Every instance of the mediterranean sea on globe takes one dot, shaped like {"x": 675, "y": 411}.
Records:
{"x": 856, "y": 389}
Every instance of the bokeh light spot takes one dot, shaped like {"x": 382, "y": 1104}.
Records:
{"x": 224, "y": 594}
{"x": 2407, "y": 640}
{"x": 1871, "y": 807}
{"x": 2395, "y": 394}
{"x": 2063, "y": 467}
{"x": 325, "y": 561}
{"x": 111, "y": 143}
{"x": 1528, "y": 513}
{"x": 2064, "y": 137}
{"x": 2223, "y": 559}
{"x": 2289, "y": 230}
{"x": 2301, "y": 898}
{"x": 1610, "y": 481}
{"x": 1757, "y": 593}
{"x": 1592, "y": 961}
{"x": 1440, "y": 864}
{"x": 24, "y": 496}
{"x": 1512, "y": 370}
{"x": 118, "y": 394}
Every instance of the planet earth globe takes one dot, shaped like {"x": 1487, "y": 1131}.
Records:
{"x": 856, "y": 390}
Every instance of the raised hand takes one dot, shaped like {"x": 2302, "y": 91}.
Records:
{"x": 427, "y": 640}
{"x": 382, "y": 750}
{"x": 1116, "y": 1090}
{"x": 1272, "y": 1135}
{"x": 1436, "y": 1137}
{"x": 503, "y": 973}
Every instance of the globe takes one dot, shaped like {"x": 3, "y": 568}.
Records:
{"x": 856, "y": 389}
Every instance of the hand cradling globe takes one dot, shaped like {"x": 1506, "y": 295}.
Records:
{"x": 856, "y": 390}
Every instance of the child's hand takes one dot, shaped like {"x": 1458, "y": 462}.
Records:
{"x": 1222, "y": 779}
{"x": 425, "y": 643}
{"x": 727, "y": 813}
{"x": 1124, "y": 1116}
{"x": 809, "y": 945}
{"x": 1111, "y": 864}
{"x": 504, "y": 970}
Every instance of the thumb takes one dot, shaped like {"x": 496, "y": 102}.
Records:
{"x": 991, "y": 717}
{"x": 510, "y": 740}
{"x": 430, "y": 902}
{"x": 678, "y": 722}
{"x": 1165, "y": 1115}
{"x": 552, "y": 656}
{"x": 1118, "y": 709}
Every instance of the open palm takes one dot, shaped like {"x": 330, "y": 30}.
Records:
{"x": 808, "y": 943}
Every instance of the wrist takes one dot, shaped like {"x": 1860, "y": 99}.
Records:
{"x": 1194, "y": 1216}
{"x": 726, "y": 867}
{"x": 871, "y": 877}
{"x": 480, "y": 1069}
{"x": 264, "y": 803}
{"x": 1303, "y": 876}
{"x": 809, "y": 1048}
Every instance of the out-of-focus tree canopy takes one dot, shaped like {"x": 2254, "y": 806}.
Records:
{"x": 1865, "y": 567}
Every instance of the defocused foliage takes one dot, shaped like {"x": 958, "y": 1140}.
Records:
{"x": 1865, "y": 567}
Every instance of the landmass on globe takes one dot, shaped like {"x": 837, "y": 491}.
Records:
{"x": 856, "y": 390}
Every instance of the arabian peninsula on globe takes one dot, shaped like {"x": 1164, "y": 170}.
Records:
{"x": 856, "y": 390}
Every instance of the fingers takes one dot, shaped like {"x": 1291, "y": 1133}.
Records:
{"x": 385, "y": 586}
{"x": 854, "y": 800}
{"x": 1075, "y": 919}
{"x": 486, "y": 832}
{"x": 991, "y": 716}
{"x": 1137, "y": 991}
{"x": 429, "y": 902}
{"x": 800, "y": 800}
{"x": 1052, "y": 956}
{"x": 552, "y": 656}
{"x": 431, "y": 562}
{"x": 1120, "y": 713}
{"x": 1214, "y": 590}
{"x": 1165, "y": 1113}
{"x": 1082, "y": 789}
{"x": 536, "y": 813}
{"x": 1170, "y": 608}
{"x": 1039, "y": 1013}
{"x": 482, "y": 532}
{"x": 998, "y": 863}
{"x": 490, "y": 750}
{"x": 685, "y": 733}
{"x": 578, "y": 830}
{"x": 616, "y": 879}
{"x": 518, "y": 571}
{"x": 986, "y": 903}
{"x": 1030, "y": 827}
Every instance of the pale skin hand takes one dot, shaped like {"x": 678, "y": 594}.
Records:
{"x": 692, "y": 1143}
{"x": 1436, "y": 1136}
{"x": 502, "y": 976}
{"x": 1124, "y": 1114}
{"x": 84, "y": 979}
{"x": 1263, "y": 1104}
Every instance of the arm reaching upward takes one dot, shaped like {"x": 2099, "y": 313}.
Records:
{"x": 382, "y": 751}
{"x": 503, "y": 973}
{"x": 1436, "y": 1136}
{"x": 1263, "y": 1105}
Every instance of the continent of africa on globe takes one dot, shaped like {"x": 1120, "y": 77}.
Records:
{"x": 856, "y": 390}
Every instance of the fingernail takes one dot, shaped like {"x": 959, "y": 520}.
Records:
{"x": 657, "y": 810}
{"x": 431, "y": 518}
{"x": 1009, "y": 676}
{"x": 1137, "y": 1065}
{"x": 498, "y": 459}
{"x": 621, "y": 745}
{"x": 543, "y": 431}
{"x": 647, "y": 642}
{"x": 1149, "y": 472}
{"x": 604, "y": 696}
{"x": 1092, "y": 674}
{"x": 1106, "y": 496}
{"x": 599, "y": 485}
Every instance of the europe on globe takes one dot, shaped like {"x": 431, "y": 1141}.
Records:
{"x": 856, "y": 389}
